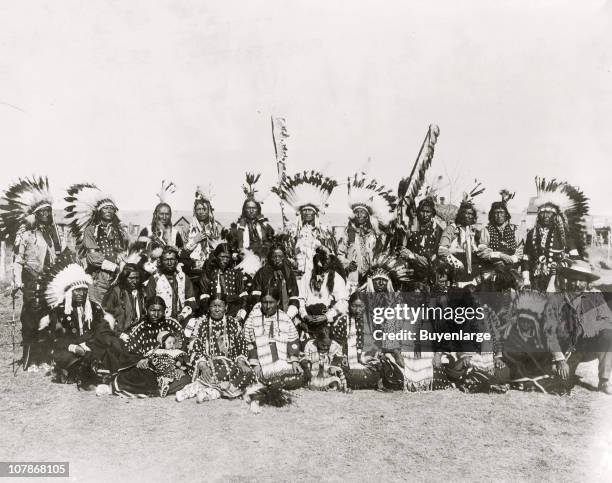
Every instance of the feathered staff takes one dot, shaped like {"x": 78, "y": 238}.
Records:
{"x": 409, "y": 188}
{"x": 279, "y": 136}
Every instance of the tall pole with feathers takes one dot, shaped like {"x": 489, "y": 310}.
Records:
{"x": 408, "y": 188}
{"x": 279, "y": 136}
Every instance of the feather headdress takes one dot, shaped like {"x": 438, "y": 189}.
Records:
{"x": 82, "y": 203}
{"x": 249, "y": 190}
{"x": 309, "y": 188}
{"x": 569, "y": 203}
{"x": 204, "y": 194}
{"x": 63, "y": 276}
{"x": 374, "y": 197}
{"x": 20, "y": 202}
{"x": 168, "y": 188}
{"x": 388, "y": 267}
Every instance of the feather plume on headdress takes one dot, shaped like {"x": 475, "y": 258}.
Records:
{"x": 468, "y": 197}
{"x": 248, "y": 189}
{"x": 204, "y": 194}
{"x": 374, "y": 197}
{"x": 570, "y": 204}
{"x": 309, "y": 188}
{"x": 19, "y": 204}
{"x": 168, "y": 188}
{"x": 250, "y": 263}
{"x": 83, "y": 201}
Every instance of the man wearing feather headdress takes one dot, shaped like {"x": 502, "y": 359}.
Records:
{"x": 204, "y": 233}
{"x": 99, "y": 235}
{"x": 307, "y": 193}
{"x": 79, "y": 327}
{"x": 460, "y": 245}
{"x": 252, "y": 230}
{"x": 558, "y": 235}
{"x": 26, "y": 219}
{"x": 372, "y": 206}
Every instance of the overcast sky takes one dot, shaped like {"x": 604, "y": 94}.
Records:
{"x": 125, "y": 93}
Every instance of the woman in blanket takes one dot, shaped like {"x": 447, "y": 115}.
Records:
{"x": 273, "y": 344}
{"x": 361, "y": 369}
{"x": 141, "y": 380}
{"x": 217, "y": 351}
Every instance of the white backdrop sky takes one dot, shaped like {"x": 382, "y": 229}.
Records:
{"x": 125, "y": 93}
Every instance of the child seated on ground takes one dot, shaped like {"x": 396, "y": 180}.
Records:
{"x": 168, "y": 362}
{"x": 322, "y": 363}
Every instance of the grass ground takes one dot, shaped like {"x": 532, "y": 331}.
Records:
{"x": 366, "y": 435}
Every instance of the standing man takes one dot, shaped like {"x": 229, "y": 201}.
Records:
{"x": 307, "y": 193}
{"x": 372, "y": 209}
{"x": 26, "y": 217}
{"x": 98, "y": 233}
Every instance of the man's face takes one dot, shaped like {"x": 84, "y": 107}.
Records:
{"x": 357, "y": 308}
{"x": 156, "y": 312}
{"x": 201, "y": 212}
{"x": 251, "y": 210}
{"x": 425, "y": 215}
{"x": 168, "y": 263}
{"x": 79, "y": 295}
{"x": 499, "y": 216}
{"x": 469, "y": 217}
{"x": 216, "y": 309}
{"x": 323, "y": 342}
{"x": 43, "y": 216}
{"x": 526, "y": 327}
{"x": 546, "y": 217}
{"x": 224, "y": 260}
{"x": 308, "y": 215}
{"x": 269, "y": 305}
{"x": 361, "y": 216}
{"x": 164, "y": 215}
{"x": 277, "y": 258}
{"x": 132, "y": 280}
{"x": 380, "y": 284}
{"x": 107, "y": 213}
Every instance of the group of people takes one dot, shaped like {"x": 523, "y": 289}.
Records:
{"x": 250, "y": 311}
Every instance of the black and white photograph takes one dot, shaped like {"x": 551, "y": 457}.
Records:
{"x": 306, "y": 240}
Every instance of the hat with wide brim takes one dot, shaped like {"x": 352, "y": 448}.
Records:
{"x": 579, "y": 270}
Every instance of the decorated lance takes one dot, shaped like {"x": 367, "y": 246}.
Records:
{"x": 279, "y": 135}
{"x": 409, "y": 188}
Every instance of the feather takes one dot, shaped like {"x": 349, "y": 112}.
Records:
{"x": 410, "y": 187}
{"x": 19, "y": 203}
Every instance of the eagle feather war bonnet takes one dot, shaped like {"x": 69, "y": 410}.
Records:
{"x": 20, "y": 202}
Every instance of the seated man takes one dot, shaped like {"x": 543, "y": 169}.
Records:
{"x": 125, "y": 301}
{"x": 173, "y": 286}
{"x": 593, "y": 329}
{"x": 325, "y": 296}
{"x": 78, "y": 326}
